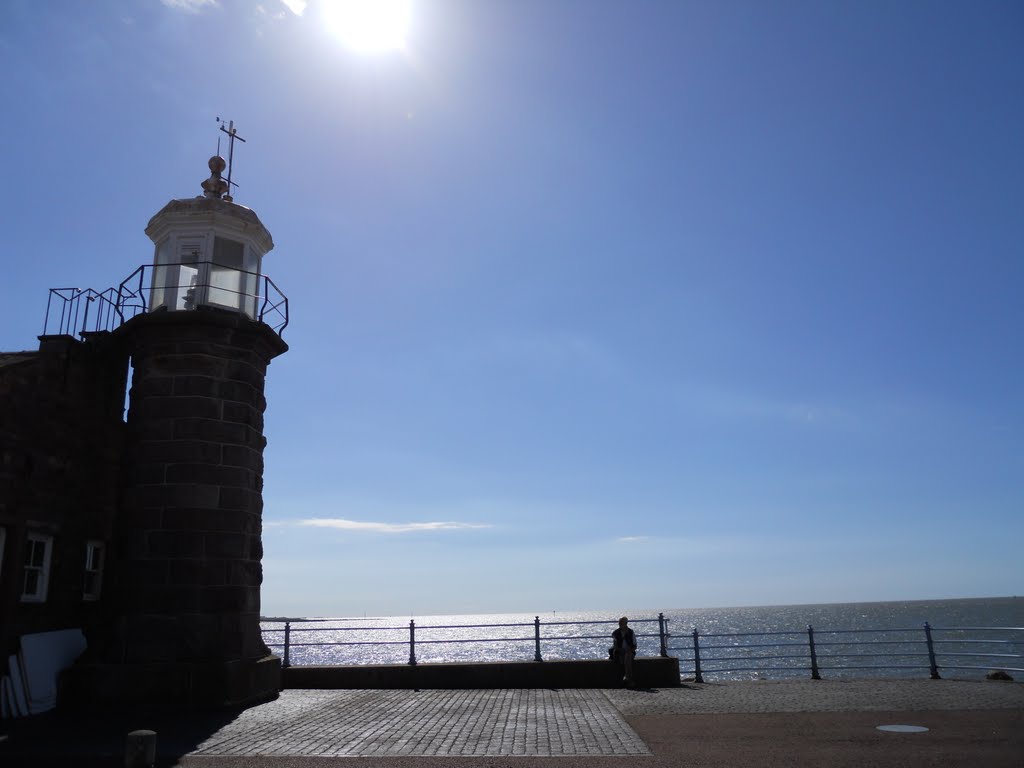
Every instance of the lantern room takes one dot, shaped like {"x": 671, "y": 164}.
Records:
{"x": 208, "y": 252}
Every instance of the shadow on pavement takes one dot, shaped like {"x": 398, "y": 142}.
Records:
{"x": 87, "y": 740}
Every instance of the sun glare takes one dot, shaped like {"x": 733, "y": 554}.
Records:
{"x": 368, "y": 25}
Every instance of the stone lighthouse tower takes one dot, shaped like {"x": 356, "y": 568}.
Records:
{"x": 183, "y": 617}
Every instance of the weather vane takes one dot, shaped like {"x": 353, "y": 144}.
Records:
{"x": 232, "y": 135}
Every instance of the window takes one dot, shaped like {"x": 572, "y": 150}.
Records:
{"x": 93, "y": 570}
{"x": 37, "y": 568}
{"x": 174, "y": 278}
{"x": 231, "y": 285}
{"x": 228, "y": 253}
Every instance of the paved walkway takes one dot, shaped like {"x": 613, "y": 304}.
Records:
{"x": 392, "y": 723}
{"x": 821, "y": 696}
{"x": 726, "y": 724}
{"x": 553, "y": 723}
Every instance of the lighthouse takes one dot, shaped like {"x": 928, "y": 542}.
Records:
{"x": 181, "y": 621}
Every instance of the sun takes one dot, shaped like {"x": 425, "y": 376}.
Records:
{"x": 369, "y": 26}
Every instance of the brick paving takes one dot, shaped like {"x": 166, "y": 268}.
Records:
{"x": 820, "y": 696}
{"x": 347, "y": 723}
{"x": 713, "y": 725}
{"x": 429, "y": 723}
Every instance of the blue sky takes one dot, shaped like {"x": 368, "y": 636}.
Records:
{"x": 594, "y": 305}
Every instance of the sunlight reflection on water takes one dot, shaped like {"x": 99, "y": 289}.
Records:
{"x": 510, "y": 637}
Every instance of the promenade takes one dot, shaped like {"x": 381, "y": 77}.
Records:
{"x": 763, "y": 723}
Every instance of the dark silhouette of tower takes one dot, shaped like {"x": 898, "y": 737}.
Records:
{"x": 182, "y": 614}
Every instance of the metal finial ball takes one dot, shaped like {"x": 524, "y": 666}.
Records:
{"x": 217, "y": 164}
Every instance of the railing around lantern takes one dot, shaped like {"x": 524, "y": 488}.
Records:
{"x": 813, "y": 651}
{"x": 323, "y": 636}
{"x": 186, "y": 286}
{"x": 189, "y": 285}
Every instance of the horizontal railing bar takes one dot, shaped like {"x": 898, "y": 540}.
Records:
{"x": 457, "y": 626}
{"x": 749, "y": 658}
{"x": 804, "y": 656}
{"x": 461, "y": 626}
{"x": 756, "y": 645}
{"x": 583, "y": 623}
{"x": 316, "y": 619}
{"x": 976, "y": 629}
{"x": 584, "y": 637}
{"x": 468, "y": 626}
{"x": 870, "y": 642}
{"x": 877, "y": 667}
{"x": 704, "y": 658}
{"x": 975, "y": 642}
{"x": 854, "y": 655}
{"x": 960, "y": 666}
{"x": 804, "y": 632}
{"x": 752, "y": 669}
{"x": 478, "y": 640}
{"x": 980, "y": 655}
{"x": 344, "y": 629}
{"x": 753, "y": 634}
{"x": 353, "y": 642}
{"x": 864, "y": 631}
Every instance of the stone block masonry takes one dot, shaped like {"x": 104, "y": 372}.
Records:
{"x": 192, "y": 506}
{"x": 61, "y": 438}
{"x": 186, "y": 570}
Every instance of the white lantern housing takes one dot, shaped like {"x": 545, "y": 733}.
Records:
{"x": 209, "y": 252}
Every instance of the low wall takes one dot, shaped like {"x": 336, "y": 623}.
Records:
{"x": 648, "y": 672}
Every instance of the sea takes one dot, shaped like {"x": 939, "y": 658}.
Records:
{"x": 970, "y": 637}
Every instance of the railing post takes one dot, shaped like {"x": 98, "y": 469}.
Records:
{"x": 815, "y": 674}
{"x": 85, "y": 320}
{"x": 412, "y": 643}
{"x": 536, "y": 638}
{"x": 696, "y": 656}
{"x": 287, "y": 640}
{"x": 662, "y": 638}
{"x": 931, "y": 652}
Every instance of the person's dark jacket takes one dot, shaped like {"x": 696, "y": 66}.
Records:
{"x": 624, "y": 639}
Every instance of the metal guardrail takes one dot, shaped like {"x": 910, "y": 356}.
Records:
{"x": 805, "y": 652}
{"x": 74, "y": 311}
{"x": 287, "y": 644}
{"x": 928, "y": 648}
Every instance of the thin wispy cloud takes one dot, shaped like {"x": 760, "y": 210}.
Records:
{"x": 298, "y": 7}
{"x": 632, "y": 539}
{"x": 190, "y": 6}
{"x": 376, "y": 527}
{"x": 557, "y": 350}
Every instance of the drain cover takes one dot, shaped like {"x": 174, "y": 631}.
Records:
{"x": 902, "y": 728}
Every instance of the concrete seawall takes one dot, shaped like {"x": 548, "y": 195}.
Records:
{"x": 651, "y": 672}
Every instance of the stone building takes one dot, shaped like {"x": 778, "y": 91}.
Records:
{"x": 142, "y": 526}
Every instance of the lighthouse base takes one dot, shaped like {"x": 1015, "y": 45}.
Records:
{"x": 170, "y": 685}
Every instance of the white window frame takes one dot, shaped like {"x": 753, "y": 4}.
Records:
{"x": 43, "y": 583}
{"x": 94, "y": 568}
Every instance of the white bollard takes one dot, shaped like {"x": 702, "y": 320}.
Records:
{"x": 140, "y": 749}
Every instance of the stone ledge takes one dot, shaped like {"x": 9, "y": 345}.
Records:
{"x": 651, "y": 672}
